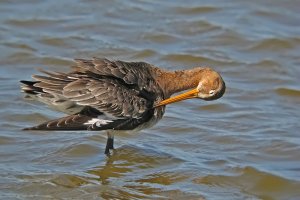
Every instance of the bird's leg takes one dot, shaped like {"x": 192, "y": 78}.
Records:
{"x": 109, "y": 142}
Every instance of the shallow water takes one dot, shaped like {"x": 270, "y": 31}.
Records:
{"x": 244, "y": 146}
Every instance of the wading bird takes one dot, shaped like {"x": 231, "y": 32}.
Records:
{"x": 100, "y": 94}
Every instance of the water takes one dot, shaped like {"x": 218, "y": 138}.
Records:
{"x": 244, "y": 146}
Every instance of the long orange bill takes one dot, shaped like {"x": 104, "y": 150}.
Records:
{"x": 187, "y": 95}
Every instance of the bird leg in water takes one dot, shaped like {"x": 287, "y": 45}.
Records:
{"x": 109, "y": 143}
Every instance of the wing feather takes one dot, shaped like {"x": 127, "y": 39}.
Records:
{"x": 49, "y": 80}
{"x": 123, "y": 90}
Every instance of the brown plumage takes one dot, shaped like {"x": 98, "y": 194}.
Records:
{"x": 100, "y": 94}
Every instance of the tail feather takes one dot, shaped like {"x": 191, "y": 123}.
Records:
{"x": 29, "y": 88}
{"x": 49, "y": 95}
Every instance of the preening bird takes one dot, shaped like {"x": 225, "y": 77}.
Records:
{"x": 100, "y": 94}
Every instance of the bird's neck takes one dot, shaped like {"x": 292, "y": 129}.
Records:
{"x": 176, "y": 81}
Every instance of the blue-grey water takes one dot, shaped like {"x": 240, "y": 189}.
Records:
{"x": 245, "y": 145}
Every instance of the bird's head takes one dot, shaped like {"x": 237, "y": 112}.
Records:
{"x": 210, "y": 87}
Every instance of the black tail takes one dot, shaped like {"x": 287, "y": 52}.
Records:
{"x": 29, "y": 88}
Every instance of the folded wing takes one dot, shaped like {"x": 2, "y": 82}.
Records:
{"x": 117, "y": 94}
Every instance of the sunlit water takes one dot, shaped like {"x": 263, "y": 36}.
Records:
{"x": 244, "y": 146}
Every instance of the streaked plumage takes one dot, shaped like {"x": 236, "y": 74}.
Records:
{"x": 100, "y": 94}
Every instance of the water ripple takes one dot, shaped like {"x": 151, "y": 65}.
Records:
{"x": 243, "y": 146}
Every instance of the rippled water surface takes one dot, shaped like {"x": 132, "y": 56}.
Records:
{"x": 243, "y": 146}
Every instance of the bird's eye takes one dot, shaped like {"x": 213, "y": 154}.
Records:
{"x": 211, "y": 92}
